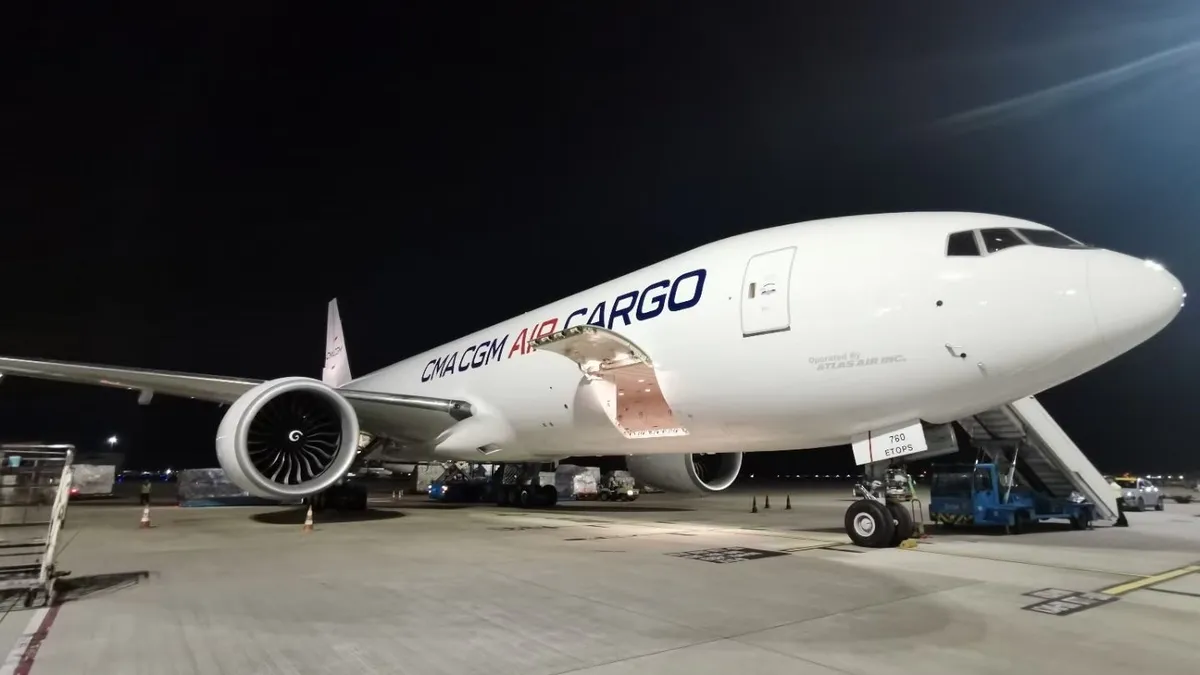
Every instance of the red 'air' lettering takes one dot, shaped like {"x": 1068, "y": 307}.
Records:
{"x": 547, "y": 328}
{"x": 521, "y": 343}
{"x": 518, "y": 346}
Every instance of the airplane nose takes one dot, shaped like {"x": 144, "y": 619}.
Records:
{"x": 1132, "y": 299}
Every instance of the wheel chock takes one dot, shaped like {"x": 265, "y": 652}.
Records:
{"x": 908, "y": 543}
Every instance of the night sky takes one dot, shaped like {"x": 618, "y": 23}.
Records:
{"x": 188, "y": 191}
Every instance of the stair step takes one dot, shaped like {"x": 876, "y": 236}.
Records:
{"x": 1001, "y": 430}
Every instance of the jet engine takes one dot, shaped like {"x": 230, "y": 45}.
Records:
{"x": 694, "y": 473}
{"x": 288, "y": 438}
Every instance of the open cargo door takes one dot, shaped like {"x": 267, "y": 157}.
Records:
{"x": 621, "y": 377}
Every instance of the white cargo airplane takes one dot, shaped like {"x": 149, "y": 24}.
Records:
{"x": 793, "y": 337}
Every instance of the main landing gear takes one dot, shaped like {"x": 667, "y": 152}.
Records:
{"x": 520, "y": 485}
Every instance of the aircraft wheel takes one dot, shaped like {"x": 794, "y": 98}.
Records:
{"x": 870, "y": 524}
{"x": 904, "y": 522}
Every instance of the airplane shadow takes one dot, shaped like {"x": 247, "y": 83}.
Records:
{"x": 295, "y": 517}
{"x": 70, "y": 588}
{"x": 561, "y": 507}
{"x": 944, "y": 530}
{"x": 78, "y": 588}
{"x": 615, "y": 508}
{"x": 428, "y": 505}
{"x": 996, "y": 531}
{"x": 826, "y": 530}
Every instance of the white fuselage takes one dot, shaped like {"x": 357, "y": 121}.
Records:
{"x": 871, "y": 324}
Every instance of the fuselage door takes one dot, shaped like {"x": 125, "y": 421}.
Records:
{"x": 765, "y": 293}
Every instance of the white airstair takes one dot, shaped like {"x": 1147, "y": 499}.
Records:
{"x": 35, "y": 483}
{"x": 1046, "y": 458}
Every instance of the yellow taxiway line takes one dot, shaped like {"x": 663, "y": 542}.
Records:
{"x": 1152, "y": 580}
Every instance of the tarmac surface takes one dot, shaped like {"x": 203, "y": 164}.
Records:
{"x": 662, "y": 585}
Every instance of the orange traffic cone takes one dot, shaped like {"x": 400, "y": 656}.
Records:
{"x": 145, "y": 519}
{"x": 308, "y": 525}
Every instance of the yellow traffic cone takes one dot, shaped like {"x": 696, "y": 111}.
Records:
{"x": 308, "y": 524}
{"x": 145, "y": 519}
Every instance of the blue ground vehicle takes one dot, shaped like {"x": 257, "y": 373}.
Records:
{"x": 460, "y": 490}
{"x": 459, "y": 484}
{"x": 975, "y": 495}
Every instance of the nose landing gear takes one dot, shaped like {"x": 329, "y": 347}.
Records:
{"x": 880, "y": 519}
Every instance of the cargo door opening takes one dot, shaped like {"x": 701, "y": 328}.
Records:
{"x": 622, "y": 378}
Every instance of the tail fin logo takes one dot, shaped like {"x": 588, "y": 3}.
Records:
{"x": 337, "y": 364}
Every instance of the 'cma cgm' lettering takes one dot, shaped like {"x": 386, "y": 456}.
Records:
{"x": 668, "y": 295}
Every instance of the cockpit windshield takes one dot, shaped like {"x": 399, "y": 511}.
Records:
{"x": 1049, "y": 238}
{"x": 1000, "y": 238}
{"x": 996, "y": 239}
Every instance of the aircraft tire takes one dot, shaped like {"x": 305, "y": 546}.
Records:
{"x": 870, "y": 524}
{"x": 904, "y": 522}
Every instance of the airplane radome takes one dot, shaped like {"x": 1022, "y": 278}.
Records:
{"x": 847, "y": 330}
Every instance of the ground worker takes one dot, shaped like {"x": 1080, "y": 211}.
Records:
{"x": 145, "y": 499}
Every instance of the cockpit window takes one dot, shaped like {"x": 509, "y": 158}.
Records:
{"x": 1049, "y": 238}
{"x": 1000, "y": 238}
{"x": 962, "y": 243}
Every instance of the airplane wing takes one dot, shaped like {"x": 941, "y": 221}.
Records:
{"x": 410, "y": 418}
{"x": 202, "y": 387}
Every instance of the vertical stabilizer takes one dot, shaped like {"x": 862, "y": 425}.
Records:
{"x": 337, "y": 363}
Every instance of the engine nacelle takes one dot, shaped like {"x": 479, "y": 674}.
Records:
{"x": 288, "y": 438}
{"x": 694, "y": 473}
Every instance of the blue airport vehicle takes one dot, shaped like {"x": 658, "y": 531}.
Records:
{"x": 976, "y": 496}
{"x": 475, "y": 490}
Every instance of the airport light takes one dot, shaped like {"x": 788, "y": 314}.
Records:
{"x": 112, "y": 441}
